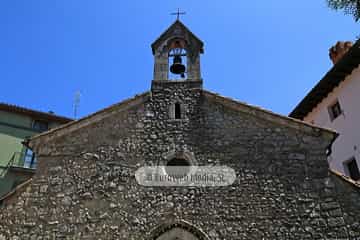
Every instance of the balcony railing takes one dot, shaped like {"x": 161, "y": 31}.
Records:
{"x": 25, "y": 160}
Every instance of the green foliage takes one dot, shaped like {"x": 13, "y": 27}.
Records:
{"x": 350, "y": 7}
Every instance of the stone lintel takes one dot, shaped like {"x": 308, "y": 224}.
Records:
{"x": 160, "y": 84}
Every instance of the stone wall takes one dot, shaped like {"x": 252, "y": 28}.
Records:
{"x": 85, "y": 187}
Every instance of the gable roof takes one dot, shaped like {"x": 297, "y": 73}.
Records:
{"x": 332, "y": 79}
{"x": 168, "y": 32}
{"x": 139, "y": 99}
{"x": 34, "y": 113}
{"x": 82, "y": 122}
{"x": 266, "y": 114}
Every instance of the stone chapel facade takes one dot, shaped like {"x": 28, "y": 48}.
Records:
{"x": 85, "y": 186}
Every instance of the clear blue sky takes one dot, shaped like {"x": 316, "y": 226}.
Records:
{"x": 266, "y": 53}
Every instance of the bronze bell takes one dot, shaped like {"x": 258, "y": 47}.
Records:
{"x": 177, "y": 67}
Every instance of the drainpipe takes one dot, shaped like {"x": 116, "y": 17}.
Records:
{"x": 329, "y": 148}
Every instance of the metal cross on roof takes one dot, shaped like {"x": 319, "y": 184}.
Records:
{"x": 178, "y": 13}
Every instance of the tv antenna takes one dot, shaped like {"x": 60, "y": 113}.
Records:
{"x": 76, "y": 103}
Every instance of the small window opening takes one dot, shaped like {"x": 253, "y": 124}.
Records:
{"x": 177, "y": 111}
{"x": 335, "y": 110}
{"x": 40, "y": 126}
{"x": 353, "y": 169}
{"x": 177, "y": 168}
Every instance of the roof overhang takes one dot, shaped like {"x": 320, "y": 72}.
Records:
{"x": 331, "y": 80}
{"x": 168, "y": 32}
{"x": 34, "y": 113}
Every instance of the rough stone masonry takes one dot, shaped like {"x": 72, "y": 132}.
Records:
{"x": 85, "y": 186}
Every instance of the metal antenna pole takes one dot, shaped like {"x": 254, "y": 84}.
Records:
{"x": 76, "y": 103}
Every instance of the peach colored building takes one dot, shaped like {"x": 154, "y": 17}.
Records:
{"x": 335, "y": 103}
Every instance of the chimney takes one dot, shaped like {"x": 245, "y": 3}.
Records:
{"x": 339, "y": 50}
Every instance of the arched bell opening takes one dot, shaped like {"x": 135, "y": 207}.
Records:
{"x": 177, "y": 59}
{"x": 177, "y": 55}
{"x": 180, "y": 230}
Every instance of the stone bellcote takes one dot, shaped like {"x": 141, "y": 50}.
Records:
{"x": 177, "y": 50}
